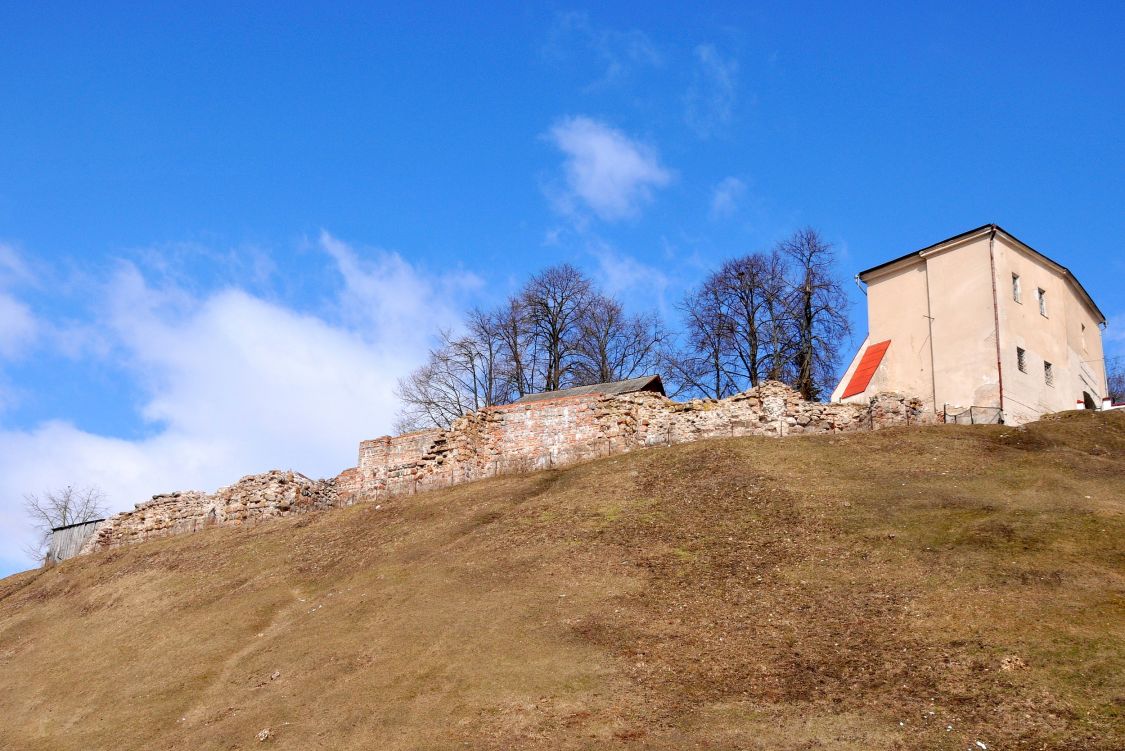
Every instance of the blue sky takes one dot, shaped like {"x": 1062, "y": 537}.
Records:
{"x": 225, "y": 232}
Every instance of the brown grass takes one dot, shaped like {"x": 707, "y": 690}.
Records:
{"x": 913, "y": 589}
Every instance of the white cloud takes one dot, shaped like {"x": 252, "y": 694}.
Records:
{"x": 618, "y": 53}
{"x": 18, "y": 326}
{"x": 611, "y": 174}
{"x": 710, "y": 100}
{"x": 236, "y": 384}
{"x": 12, "y": 266}
{"x": 726, "y": 196}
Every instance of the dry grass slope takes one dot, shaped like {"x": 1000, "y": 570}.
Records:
{"x": 913, "y": 589}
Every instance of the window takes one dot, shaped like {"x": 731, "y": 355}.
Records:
{"x": 1017, "y": 295}
{"x": 1083, "y": 337}
{"x": 1042, "y": 302}
{"x": 1021, "y": 359}
{"x": 1048, "y": 374}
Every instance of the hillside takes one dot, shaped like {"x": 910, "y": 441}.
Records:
{"x": 910, "y": 588}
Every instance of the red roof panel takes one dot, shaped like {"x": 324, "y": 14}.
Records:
{"x": 868, "y": 364}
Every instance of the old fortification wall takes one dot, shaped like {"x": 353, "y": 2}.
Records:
{"x": 557, "y": 432}
{"x": 502, "y": 440}
{"x": 253, "y": 498}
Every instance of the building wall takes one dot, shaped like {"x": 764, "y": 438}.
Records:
{"x": 964, "y": 325}
{"x": 947, "y": 294}
{"x": 960, "y": 299}
{"x": 1055, "y": 338}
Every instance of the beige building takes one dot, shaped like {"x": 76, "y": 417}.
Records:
{"x": 983, "y": 327}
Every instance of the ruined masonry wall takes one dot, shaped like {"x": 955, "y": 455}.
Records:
{"x": 503, "y": 440}
{"x": 255, "y": 497}
{"x": 557, "y": 432}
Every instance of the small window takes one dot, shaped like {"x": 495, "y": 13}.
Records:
{"x": 1043, "y": 302}
{"x": 1021, "y": 359}
{"x": 1017, "y": 294}
{"x": 1083, "y": 336}
{"x": 1048, "y": 374}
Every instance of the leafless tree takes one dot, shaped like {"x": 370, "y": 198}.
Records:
{"x": 557, "y": 331}
{"x": 519, "y": 348}
{"x": 461, "y": 375}
{"x": 777, "y": 316}
{"x": 1115, "y": 379}
{"x": 702, "y": 365}
{"x": 555, "y": 301}
{"x": 58, "y": 508}
{"x": 754, "y": 294}
{"x": 818, "y": 309}
{"x": 613, "y": 346}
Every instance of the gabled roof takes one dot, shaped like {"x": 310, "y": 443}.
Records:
{"x": 861, "y": 378}
{"x": 984, "y": 229}
{"x": 643, "y": 383}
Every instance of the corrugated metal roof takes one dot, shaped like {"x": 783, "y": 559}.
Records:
{"x": 866, "y": 369}
{"x": 632, "y": 385}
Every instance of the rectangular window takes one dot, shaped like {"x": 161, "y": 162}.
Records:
{"x": 1017, "y": 294}
{"x": 1021, "y": 359}
{"x": 1083, "y": 337}
{"x": 1048, "y": 374}
{"x": 1043, "y": 302}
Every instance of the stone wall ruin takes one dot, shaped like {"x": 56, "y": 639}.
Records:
{"x": 502, "y": 440}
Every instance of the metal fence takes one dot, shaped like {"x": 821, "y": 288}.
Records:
{"x": 973, "y": 415}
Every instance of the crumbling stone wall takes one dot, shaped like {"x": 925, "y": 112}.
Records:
{"x": 502, "y": 440}
{"x": 557, "y": 432}
{"x": 254, "y": 497}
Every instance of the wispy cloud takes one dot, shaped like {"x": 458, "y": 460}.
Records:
{"x": 234, "y": 383}
{"x": 604, "y": 170}
{"x": 18, "y": 326}
{"x": 710, "y": 100}
{"x": 626, "y": 276}
{"x": 726, "y": 196}
{"x": 617, "y": 53}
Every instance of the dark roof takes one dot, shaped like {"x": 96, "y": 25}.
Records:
{"x": 644, "y": 383}
{"x": 77, "y": 524}
{"x": 997, "y": 228}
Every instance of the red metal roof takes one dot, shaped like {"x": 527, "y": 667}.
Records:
{"x": 866, "y": 368}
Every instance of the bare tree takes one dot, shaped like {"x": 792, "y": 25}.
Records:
{"x": 777, "y": 316}
{"x": 613, "y": 346}
{"x": 818, "y": 308}
{"x": 461, "y": 375}
{"x": 753, "y": 290}
{"x": 1115, "y": 379}
{"x": 59, "y": 508}
{"x": 702, "y": 364}
{"x": 555, "y": 302}
{"x": 519, "y": 348}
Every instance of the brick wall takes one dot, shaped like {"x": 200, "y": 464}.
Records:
{"x": 557, "y": 432}
{"x": 502, "y": 440}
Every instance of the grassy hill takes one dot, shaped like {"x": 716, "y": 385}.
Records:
{"x": 911, "y": 588}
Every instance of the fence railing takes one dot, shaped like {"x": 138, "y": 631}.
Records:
{"x": 973, "y": 415}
